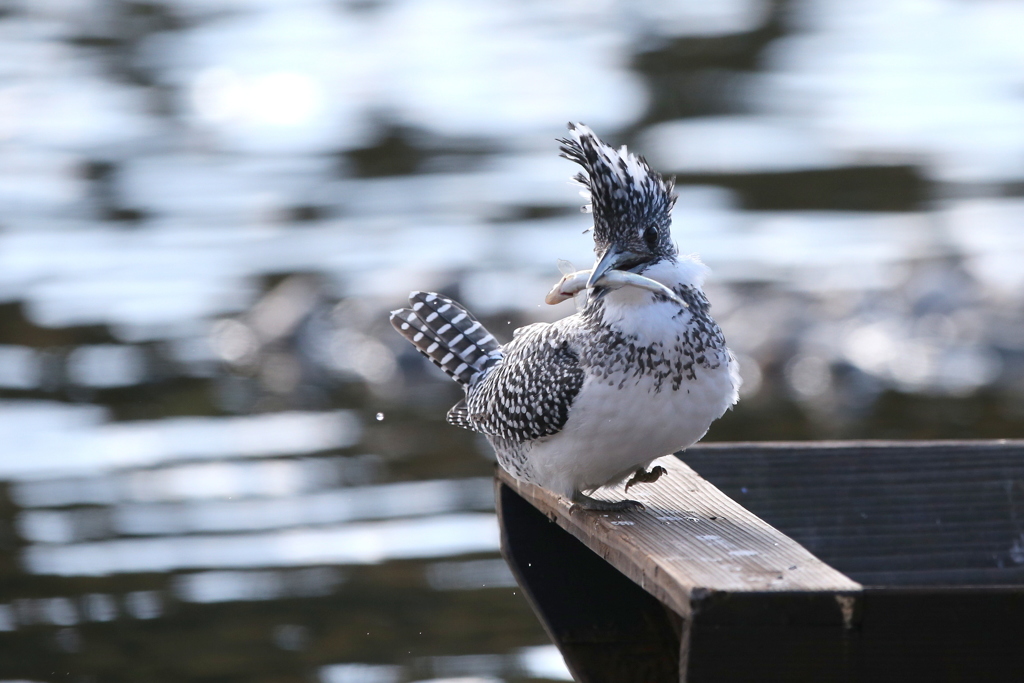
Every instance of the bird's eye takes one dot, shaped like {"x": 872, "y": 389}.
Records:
{"x": 651, "y": 237}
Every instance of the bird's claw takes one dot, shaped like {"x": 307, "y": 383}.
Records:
{"x": 642, "y": 476}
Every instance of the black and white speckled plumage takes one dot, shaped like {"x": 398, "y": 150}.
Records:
{"x": 585, "y": 401}
{"x": 528, "y": 394}
{"x": 624, "y": 192}
{"x": 618, "y": 357}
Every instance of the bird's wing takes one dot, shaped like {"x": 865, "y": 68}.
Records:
{"x": 460, "y": 417}
{"x": 529, "y": 392}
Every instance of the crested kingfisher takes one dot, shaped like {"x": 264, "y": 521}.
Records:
{"x": 639, "y": 372}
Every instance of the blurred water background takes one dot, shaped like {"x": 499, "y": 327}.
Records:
{"x": 219, "y": 463}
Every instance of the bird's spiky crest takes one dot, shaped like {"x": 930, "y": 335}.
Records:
{"x": 625, "y": 193}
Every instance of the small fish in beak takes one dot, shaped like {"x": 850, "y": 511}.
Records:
{"x": 572, "y": 283}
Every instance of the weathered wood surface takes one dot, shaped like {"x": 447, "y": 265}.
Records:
{"x": 914, "y": 514}
{"x": 692, "y": 539}
{"x": 609, "y": 629}
{"x": 920, "y": 525}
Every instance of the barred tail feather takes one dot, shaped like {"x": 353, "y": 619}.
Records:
{"x": 448, "y": 335}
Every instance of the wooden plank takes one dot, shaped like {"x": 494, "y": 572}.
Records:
{"x": 691, "y": 540}
{"x": 932, "y": 520}
{"x": 608, "y": 628}
{"x": 922, "y": 513}
{"x": 899, "y": 635}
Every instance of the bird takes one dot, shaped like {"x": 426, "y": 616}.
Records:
{"x": 593, "y": 398}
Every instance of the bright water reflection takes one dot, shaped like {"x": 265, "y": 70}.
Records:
{"x": 367, "y": 543}
{"x": 214, "y": 446}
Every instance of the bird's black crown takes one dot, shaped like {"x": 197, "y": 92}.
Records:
{"x": 631, "y": 202}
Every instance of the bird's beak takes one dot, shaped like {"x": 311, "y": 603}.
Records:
{"x": 612, "y": 259}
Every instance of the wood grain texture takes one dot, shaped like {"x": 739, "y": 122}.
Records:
{"x": 691, "y": 540}
{"x": 608, "y": 629}
{"x": 913, "y": 514}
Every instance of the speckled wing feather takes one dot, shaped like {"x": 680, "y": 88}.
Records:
{"x": 529, "y": 392}
{"x": 459, "y": 416}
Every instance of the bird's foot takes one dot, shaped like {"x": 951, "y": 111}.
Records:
{"x": 642, "y": 476}
{"x": 584, "y": 502}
